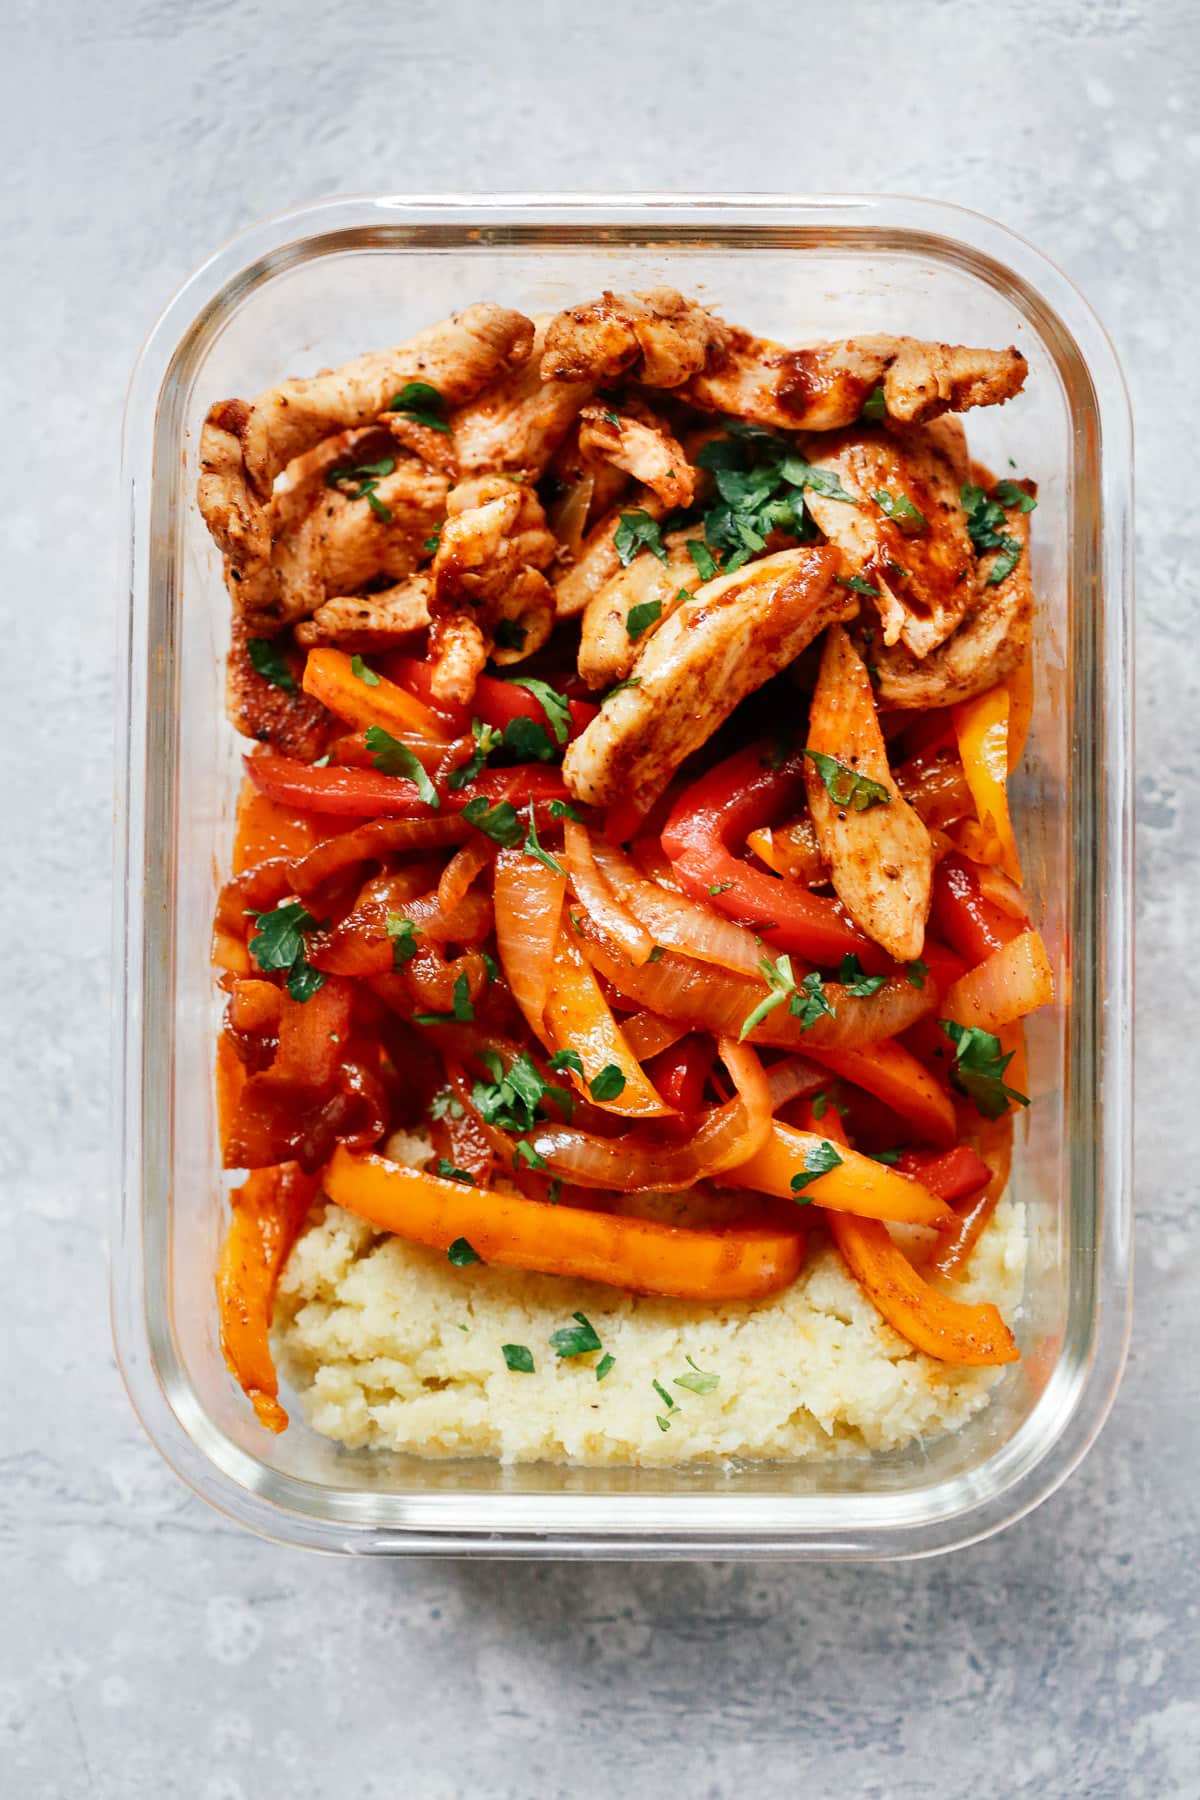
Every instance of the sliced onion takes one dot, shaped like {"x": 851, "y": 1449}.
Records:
{"x": 528, "y": 899}
{"x": 676, "y": 921}
{"x": 371, "y": 843}
{"x": 599, "y": 899}
{"x": 794, "y": 1078}
{"x": 1002, "y": 891}
{"x": 646, "y": 1033}
{"x": 568, "y": 516}
{"x": 468, "y": 862}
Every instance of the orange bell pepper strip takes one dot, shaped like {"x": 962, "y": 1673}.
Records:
{"x": 857, "y": 1185}
{"x": 1020, "y": 708}
{"x": 981, "y": 726}
{"x": 739, "y": 1262}
{"x": 329, "y": 677}
{"x": 264, "y": 829}
{"x": 268, "y": 1211}
{"x": 894, "y": 1075}
{"x": 994, "y": 1140}
{"x": 1012, "y": 981}
{"x": 579, "y": 1018}
{"x": 231, "y": 1082}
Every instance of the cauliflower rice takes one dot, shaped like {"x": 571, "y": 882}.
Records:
{"x": 387, "y": 1344}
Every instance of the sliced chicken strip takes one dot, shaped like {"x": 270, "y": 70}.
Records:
{"x": 733, "y": 635}
{"x": 823, "y": 387}
{"x": 344, "y": 542}
{"x": 989, "y": 644}
{"x": 291, "y": 720}
{"x": 910, "y": 544}
{"x": 459, "y": 357}
{"x": 432, "y": 446}
{"x": 599, "y": 560}
{"x": 370, "y": 621}
{"x": 880, "y": 857}
{"x": 237, "y": 522}
{"x": 597, "y": 485}
{"x": 519, "y": 421}
{"x": 658, "y": 337}
{"x": 487, "y": 572}
{"x": 607, "y": 651}
{"x": 636, "y": 440}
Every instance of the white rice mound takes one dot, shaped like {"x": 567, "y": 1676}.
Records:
{"x": 387, "y": 1344}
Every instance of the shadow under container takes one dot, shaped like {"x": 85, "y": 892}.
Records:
{"x": 321, "y": 285}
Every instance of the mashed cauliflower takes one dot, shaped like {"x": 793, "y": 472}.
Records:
{"x": 388, "y": 1344}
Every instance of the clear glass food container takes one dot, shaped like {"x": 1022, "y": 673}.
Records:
{"x": 321, "y": 285}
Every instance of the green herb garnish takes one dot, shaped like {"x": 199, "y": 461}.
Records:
{"x": 703, "y": 558}
{"x": 978, "y": 1068}
{"x": 874, "y": 406}
{"x": 637, "y": 531}
{"x": 403, "y": 934}
{"x": 697, "y": 1381}
{"x": 640, "y": 618}
{"x": 810, "y": 1002}
{"x": 509, "y": 635}
{"x": 421, "y": 401}
{"x": 575, "y": 1340}
{"x": 562, "y": 809}
{"x": 463, "y": 1012}
{"x": 445, "y": 1105}
{"x": 845, "y": 786}
{"x": 514, "y": 1099}
{"x": 461, "y": 1253}
{"x": 818, "y": 1159}
{"x": 448, "y": 1172}
{"x": 901, "y": 511}
{"x": 608, "y": 1084}
{"x": 518, "y": 1358}
{"x": 850, "y": 974}
{"x": 359, "y": 668}
{"x": 267, "y": 660}
{"x": 604, "y": 1365}
{"x": 857, "y": 585}
{"x": 780, "y": 982}
{"x": 556, "y": 706}
{"x": 499, "y": 822}
{"x": 391, "y": 757}
{"x": 360, "y": 483}
{"x": 985, "y": 522}
{"x": 916, "y": 972}
{"x": 532, "y": 847}
{"x": 279, "y": 945}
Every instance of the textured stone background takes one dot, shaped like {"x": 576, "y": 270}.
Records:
{"x": 150, "y": 1649}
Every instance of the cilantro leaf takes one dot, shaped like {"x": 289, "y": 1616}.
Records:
{"x": 901, "y": 511}
{"x": 403, "y": 934}
{"x": 850, "y": 974}
{"x": 604, "y": 1365}
{"x": 801, "y": 474}
{"x": 657, "y": 953}
{"x": 267, "y": 660}
{"x": 636, "y": 531}
{"x": 525, "y": 1152}
{"x": 857, "y": 585}
{"x": 874, "y": 407}
{"x": 421, "y": 401}
{"x": 670, "y": 1404}
{"x": 562, "y": 809}
{"x": 985, "y": 520}
{"x": 809, "y": 1002}
{"x": 633, "y": 681}
{"x": 568, "y": 1059}
{"x": 575, "y": 1340}
{"x": 818, "y": 1159}
{"x": 509, "y": 635}
{"x": 640, "y": 618}
{"x": 698, "y": 1381}
{"x": 445, "y": 1105}
{"x": 889, "y": 1158}
{"x": 781, "y": 984}
{"x": 518, "y": 1358}
{"x": 556, "y": 706}
{"x": 461, "y": 1252}
{"x": 720, "y": 887}
{"x": 515, "y": 1097}
{"x": 487, "y": 738}
{"x": 448, "y": 1172}
{"x": 845, "y": 786}
{"x": 978, "y": 1068}
{"x": 1009, "y": 494}
{"x": 532, "y": 847}
{"x": 703, "y": 558}
{"x": 916, "y": 972}
{"x": 279, "y": 945}
{"x": 391, "y": 757}
{"x": 360, "y": 483}
{"x": 463, "y": 1012}
{"x": 608, "y": 1084}
{"x": 526, "y": 740}
{"x": 359, "y": 669}
{"x": 499, "y": 822}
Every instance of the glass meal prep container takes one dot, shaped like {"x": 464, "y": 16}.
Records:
{"x": 323, "y": 284}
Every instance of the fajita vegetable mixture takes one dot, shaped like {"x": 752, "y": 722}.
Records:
{"x": 625, "y": 950}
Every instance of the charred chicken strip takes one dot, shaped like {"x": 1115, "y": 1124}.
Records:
{"x": 623, "y": 615}
{"x": 487, "y": 574}
{"x": 879, "y": 853}
{"x": 907, "y": 535}
{"x": 367, "y": 622}
{"x": 656, "y": 337}
{"x": 823, "y": 387}
{"x": 637, "y": 441}
{"x": 518, "y": 422}
{"x": 599, "y": 558}
{"x": 719, "y": 646}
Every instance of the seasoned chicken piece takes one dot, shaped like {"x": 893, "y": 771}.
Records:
{"x": 519, "y": 421}
{"x": 237, "y": 522}
{"x": 355, "y": 533}
{"x": 823, "y": 387}
{"x": 487, "y": 573}
{"x": 601, "y": 483}
{"x": 370, "y": 621}
{"x": 989, "y": 644}
{"x": 640, "y": 443}
{"x": 291, "y": 720}
{"x": 879, "y": 853}
{"x": 458, "y": 357}
{"x": 657, "y": 336}
{"x": 720, "y": 645}
{"x": 607, "y": 647}
{"x": 432, "y": 446}
{"x": 907, "y": 536}
{"x": 599, "y": 560}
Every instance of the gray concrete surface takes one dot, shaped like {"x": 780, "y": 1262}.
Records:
{"x": 149, "y": 1649}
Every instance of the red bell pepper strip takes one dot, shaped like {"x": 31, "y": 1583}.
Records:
{"x": 969, "y": 924}
{"x": 496, "y": 702}
{"x": 950, "y": 1174}
{"x": 368, "y": 794}
{"x": 680, "y": 1072}
{"x": 724, "y": 806}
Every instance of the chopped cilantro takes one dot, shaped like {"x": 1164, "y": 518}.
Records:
{"x": 978, "y": 1068}
{"x": 720, "y": 887}
{"x": 657, "y": 953}
{"x": 640, "y": 618}
{"x": 448, "y": 1172}
{"x": 461, "y": 1253}
{"x": 568, "y": 1059}
{"x": 780, "y": 982}
{"x": 800, "y": 474}
{"x": 845, "y": 786}
{"x": 874, "y": 406}
{"x": 279, "y": 945}
{"x": 901, "y": 511}
{"x": 267, "y": 660}
{"x": 499, "y": 822}
{"x": 916, "y": 972}
{"x": 1009, "y": 494}
{"x": 604, "y": 1365}
{"x": 985, "y": 520}
{"x": 431, "y": 546}
{"x": 403, "y": 934}
{"x": 818, "y": 1159}
{"x": 359, "y": 668}
{"x": 491, "y": 967}
{"x": 850, "y": 974}
{"x": 608, "y": 1084}
{"x": 509, "y": 635}
{"x": 888, "y": 1157}
{"x": 703, "y": 558}
{"x": 575, "y": 1340}
{"x": 663, "y": 1424}
{"x": 633, "y": 681}
{"x": 810, "y": 1002}
{"x": 556, "y": 706}
{"x": 487, "y": 738}
{"x": 518, "y": 1358}
{"x": 663, "y": 1395}
{"x": 857, "y": 585}
{"x": 391, "y": 757}
{"x": 360, "y": 483}
{"x": 533, "y": 848}
{"x": 697, "y": 1380}
{"x": 637, "y": 531}
{"x": 562, "y": 809}
{"x": 421, "y": 401}
{"x": 463, "y": 1012}
{"x": 514, "y": 1099}
{"x": 524, "y": 1152}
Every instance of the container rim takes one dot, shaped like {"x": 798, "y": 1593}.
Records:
{"x": 521, "y": 1525}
